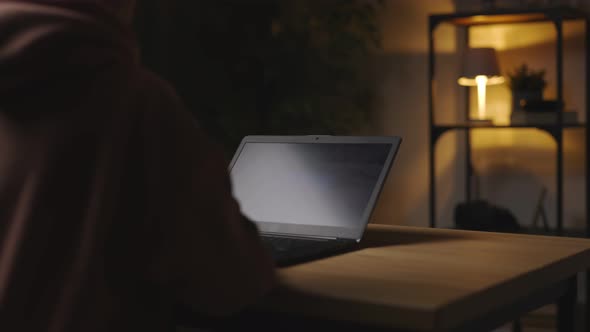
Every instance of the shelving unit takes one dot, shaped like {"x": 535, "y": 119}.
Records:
{"x": 557, "y": 16}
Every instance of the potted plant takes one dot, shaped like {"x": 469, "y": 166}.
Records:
{"x": 526, "y": 85}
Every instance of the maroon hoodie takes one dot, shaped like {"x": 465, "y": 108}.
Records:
{"x": 113, "y": 204}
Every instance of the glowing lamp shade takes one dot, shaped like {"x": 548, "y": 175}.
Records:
{"x": 480, "y": 69}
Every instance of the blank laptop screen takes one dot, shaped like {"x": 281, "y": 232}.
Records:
{"x": 322, "y": 184}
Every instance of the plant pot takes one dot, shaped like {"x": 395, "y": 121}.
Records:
{"x": 519, "y": 95}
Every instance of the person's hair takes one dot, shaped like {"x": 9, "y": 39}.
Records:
{"x": 121, "y": 8}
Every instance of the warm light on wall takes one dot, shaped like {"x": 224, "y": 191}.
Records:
{"x": 533, "y": 44}
{"x": 510, "y": 37}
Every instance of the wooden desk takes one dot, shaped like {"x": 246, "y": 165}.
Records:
{"x": 423, "y": 279}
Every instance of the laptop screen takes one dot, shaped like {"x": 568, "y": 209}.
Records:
{"x": 311, "y": 184}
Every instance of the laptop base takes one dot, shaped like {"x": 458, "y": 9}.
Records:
{"x": 288, "y": 251}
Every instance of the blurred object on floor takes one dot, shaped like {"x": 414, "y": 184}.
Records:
{"x": 480, "y": 215}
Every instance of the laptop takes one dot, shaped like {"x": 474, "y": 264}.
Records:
{"x": 310, "y": 196}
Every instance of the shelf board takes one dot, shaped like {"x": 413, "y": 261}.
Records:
{"x": 507, "y": 16}
{"x": 467, "y": 125}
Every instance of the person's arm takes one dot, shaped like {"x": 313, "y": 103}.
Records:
{"x": 207, "y": 253}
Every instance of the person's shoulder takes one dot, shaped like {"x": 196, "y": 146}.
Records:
{"x": 162, "y": 109}
{"x": 157, "y": 99}
{"x": 152, "y": 87}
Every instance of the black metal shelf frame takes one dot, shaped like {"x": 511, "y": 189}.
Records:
{"x": 551, "y": 129}
{"x": 557, "y": 16}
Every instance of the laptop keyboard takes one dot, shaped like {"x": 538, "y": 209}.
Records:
{"x": 286, "y": 250}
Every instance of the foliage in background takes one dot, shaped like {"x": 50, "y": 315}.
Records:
{"x": 267, "y": 67}
{"x": 525, "y": 79}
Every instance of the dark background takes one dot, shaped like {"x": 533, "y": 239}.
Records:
{"x": 264, "y": 67}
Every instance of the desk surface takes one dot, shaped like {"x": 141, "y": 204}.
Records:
{"x": 426, "y": 279}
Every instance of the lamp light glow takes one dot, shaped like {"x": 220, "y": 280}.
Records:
{"x": 482, "y": 81}
{"x": 492, "y": 80}
{"x": 480, "y": 69}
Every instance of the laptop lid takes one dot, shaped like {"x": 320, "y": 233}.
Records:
{"x": 319, "y": 186}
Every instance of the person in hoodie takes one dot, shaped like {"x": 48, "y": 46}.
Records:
{"x": 113, "y": 204}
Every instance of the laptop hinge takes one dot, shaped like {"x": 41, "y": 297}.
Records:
{"x": 316, "y": 237}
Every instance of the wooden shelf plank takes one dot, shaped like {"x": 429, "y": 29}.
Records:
{"x": 493, "y": 126}
{"x": 508, "y": 16}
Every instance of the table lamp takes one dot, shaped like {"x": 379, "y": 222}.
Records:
{"x": 480, "y": 69}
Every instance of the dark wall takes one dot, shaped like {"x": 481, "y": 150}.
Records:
{"x": 208, "y": 51}
{"x": 263, "y": 67}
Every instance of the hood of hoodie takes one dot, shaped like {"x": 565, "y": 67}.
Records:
{"x": 50, "y": 54}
